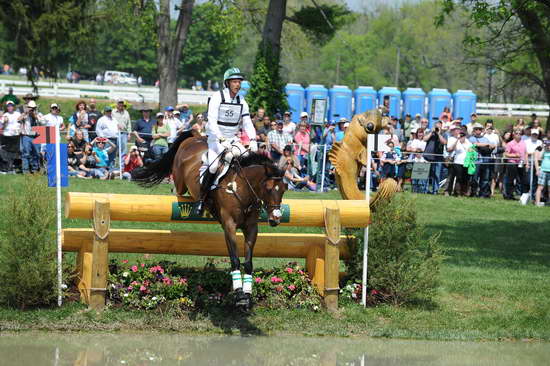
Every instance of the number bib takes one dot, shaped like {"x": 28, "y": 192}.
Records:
{"x": 229, "y": 115}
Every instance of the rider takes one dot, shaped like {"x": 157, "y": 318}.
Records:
{"x": 226, "y": 112}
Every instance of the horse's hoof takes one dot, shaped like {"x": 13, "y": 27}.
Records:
{"x": 243, "y": 301}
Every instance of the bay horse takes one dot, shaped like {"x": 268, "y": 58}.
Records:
{"x": 252, "y": 182}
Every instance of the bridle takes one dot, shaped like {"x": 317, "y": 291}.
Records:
{"x": 258, "y": 202}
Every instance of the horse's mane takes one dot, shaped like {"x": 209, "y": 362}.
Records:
{"x": 251, "y": 159}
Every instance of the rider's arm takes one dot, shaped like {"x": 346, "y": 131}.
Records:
{"x": 212, "y": 125}
{"x": 248, "y": 126}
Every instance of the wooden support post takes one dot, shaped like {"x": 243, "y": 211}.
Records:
{"x": 332, "y": 258}
{"x": 100, "y": 255}
{"x": 315, "y": 264}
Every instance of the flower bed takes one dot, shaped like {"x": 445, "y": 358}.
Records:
{"x": 146, "y": 285}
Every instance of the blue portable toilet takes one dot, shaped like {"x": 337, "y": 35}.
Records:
{"x": 438, "y": 100}
{"x": 365, "y": 99}
{"x": 340, "y": 97}
{"x": 245, "y": 87}
{"x": 464, "y": 104}
{"x": 314, "y": 91}
{"x": 295, "y": 96}
{"x": 414, "y": 100}
{"x": 395, "y": 99}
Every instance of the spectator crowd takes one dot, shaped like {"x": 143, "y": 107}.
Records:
{"x": 447, "y": 156}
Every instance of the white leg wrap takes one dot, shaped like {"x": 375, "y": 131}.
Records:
{"x": 247, "y": 284}
{"x": 237, "y": 280}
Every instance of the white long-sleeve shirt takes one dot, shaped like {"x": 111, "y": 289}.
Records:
{"x": 214, "y": 130}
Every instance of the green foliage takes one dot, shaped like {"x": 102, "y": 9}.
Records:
{"x": 27, "y": 246}
{"x": 403, "y": 261}
{"x": 211, "y": 43}
{"x": 314, "y": 24}
{"x": 266, "y": 85}
{"x": 40, "y": 32}
{"x": 147, "y": 286}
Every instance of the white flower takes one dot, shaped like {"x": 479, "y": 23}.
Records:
{"x": 125, "y": 295}
{"x": 154, "y": 298}
{"x": 315, "y": 307}
{"x": 63, "y": 286}
{"x": 125, "y": 274}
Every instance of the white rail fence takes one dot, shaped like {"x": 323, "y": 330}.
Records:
{"x": 149, "y": 94}
{"x": 144, "y": 94}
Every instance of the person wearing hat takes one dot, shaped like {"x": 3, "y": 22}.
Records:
{"x": 288, "y": 126}
{"x": 105, "y": 150}
{"x": 277, "y": 140}
{"x": 122, "y": 117}
{"x": 175, "y": 124}
{"x": 30, "y": 155}
{"x": 10, "y": 139}
{"x": 143, "y": 128}
{"x": 54, "y": 118}
{"x": 132, "y": 160}
{"x": 433, "y": 153}
{"x": 107, "y": 127}
{"x": 449, "y": 157}
{"x": 10, "y": 96}
{"x": 227, "y": 112}
{"x": 482, "y": 178}
{"x": 543, "y": 172}
{"x": 186, "y": 114}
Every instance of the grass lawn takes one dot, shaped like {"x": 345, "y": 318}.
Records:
{"x": 495, "y": 280}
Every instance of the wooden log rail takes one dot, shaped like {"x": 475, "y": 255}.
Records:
{"x": 321, "y": 251}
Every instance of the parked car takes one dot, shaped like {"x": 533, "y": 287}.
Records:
{"x": 119, "y": 77}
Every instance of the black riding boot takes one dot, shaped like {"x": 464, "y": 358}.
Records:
{"x": 207, "y": 181}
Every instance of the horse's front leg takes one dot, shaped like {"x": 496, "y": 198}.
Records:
{"x": 230, "y": 230}
{"x": 250, "y": 234}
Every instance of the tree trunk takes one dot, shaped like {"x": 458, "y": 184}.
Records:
{"x": 273, "y": 27}
{"x": 170, "y": 48}
{"x": 534, "y": 22}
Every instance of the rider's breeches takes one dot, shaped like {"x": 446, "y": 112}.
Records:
{"x": 214, "y": 151}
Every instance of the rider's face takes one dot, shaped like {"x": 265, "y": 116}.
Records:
{"x": 234, "y": 85}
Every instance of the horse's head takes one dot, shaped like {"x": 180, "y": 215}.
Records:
{"x": 273, "y": 189}
{"x": 370, "y": 122}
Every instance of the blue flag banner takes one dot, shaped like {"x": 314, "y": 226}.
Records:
{"x": 50, "y": 157}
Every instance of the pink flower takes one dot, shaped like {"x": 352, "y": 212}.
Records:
{"x": 275, "y": 279}
{"x": 146, "y": 282}
{"x": 156, "y": 269}
{"x": 125, "y": 261}
{"x": 258, "y": 280}
{"x": 142, "y": 288}
{"x": 134, "y": 283}
{"x": 300, "y": 272}
{"x": 142, "y": 265}
{"x": 289, "y": 270}
{"x": 134, "y": 268}
{"x": 291, "y": 287}
{"x": 373, "y": 292}
{"x": 167, "y": 281}
{"x": 183, "y": 280}
{"x": 279, "y": 288}
{"x": 130, "y": 288}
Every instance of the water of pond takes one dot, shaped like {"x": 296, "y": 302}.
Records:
{"x": 87, "y": 349}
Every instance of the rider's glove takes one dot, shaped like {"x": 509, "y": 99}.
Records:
{"x": 226, "y": 144}
{"x": 253, "y": 146}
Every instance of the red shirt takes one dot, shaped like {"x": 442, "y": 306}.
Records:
{"x": 132, "y": 164}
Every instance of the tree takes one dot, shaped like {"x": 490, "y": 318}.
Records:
{"x": 170, "y": 46}
{"x": 40, "y": 32}
{"x": 267, "y": 65}
{"x": 515, "y": 32}
{"x": 211, "y": 43}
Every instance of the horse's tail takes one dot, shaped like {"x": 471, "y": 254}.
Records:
{"x": 154, "y": 173}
